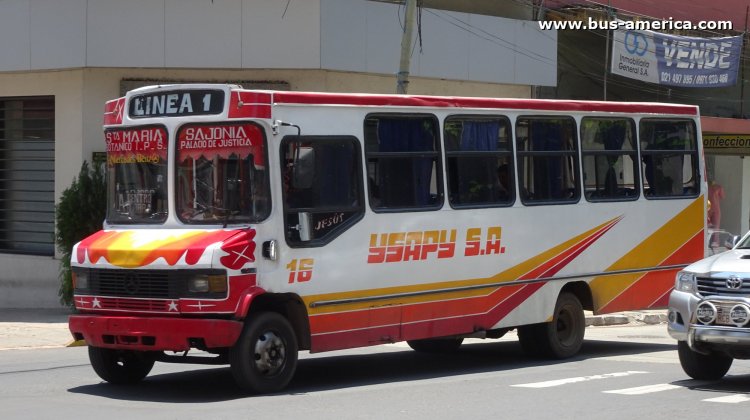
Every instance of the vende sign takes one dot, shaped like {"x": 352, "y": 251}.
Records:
{"x": 676, "y": 60}
{"x": 176, "y": 103}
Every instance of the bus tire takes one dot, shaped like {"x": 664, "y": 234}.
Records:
{"x": 561, "y": 338}
{"x": 121, "y": 367}
{"x": 436, "y": 345}
{"x": 703, "y": 366}
{"x": 264, "y": 358}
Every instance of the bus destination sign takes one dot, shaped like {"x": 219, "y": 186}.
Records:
{"x": 176, "y": 103}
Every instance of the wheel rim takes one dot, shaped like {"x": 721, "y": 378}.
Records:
{"x": 270, "y": 353}
{"x": 566, "y": 327}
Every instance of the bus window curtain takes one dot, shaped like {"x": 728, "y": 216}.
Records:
{"x": 614, "y": 138}
{"x": 480, "y": 135}
{"x": 548, "y": 171}
{"x": 477, "y": 176}
{"x": 405, "y": 182}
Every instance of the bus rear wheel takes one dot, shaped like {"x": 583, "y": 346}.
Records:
{"x": 264, "y": 358}
{"x": 436, "y": 345}
{"x": 561, "y": 338}
{"x": 121, "y": 367}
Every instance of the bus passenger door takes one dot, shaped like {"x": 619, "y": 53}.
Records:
{"x": 323, "y": 198}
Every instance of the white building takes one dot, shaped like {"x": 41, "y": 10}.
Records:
{"x": 60, "y": 60}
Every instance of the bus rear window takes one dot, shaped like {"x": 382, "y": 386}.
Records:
{"x": 669, "y": 156}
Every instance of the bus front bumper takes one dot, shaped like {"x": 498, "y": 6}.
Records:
{"x": 154, "y": 333}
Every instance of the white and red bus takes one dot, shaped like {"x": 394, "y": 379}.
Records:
{"x": 250, "y": 225}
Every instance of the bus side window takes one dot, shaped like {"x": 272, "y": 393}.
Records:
{"x": 403, "y": 162}
{"x": 547, "y": 160}
{"x": 608, "y": 148}
{"x": 322, "y": 187}
{"x": 669, "y": 156}
{"x": 479, "y": 161}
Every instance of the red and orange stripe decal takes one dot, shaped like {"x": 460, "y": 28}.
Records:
{"x": 463, "y": 307}
{"x": 679, "y": 242}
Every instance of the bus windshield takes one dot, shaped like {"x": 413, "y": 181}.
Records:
{"x": 221, "y": 174}
{"x": 136, "y": 175}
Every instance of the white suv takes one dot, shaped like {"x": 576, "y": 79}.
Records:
{"x": 709, "y": 312}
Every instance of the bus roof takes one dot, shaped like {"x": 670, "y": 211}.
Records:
{"x": 258, "y": 103}
{"x": 316, "y": 98}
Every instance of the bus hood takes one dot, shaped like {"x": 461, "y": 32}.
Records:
{"x": 232, "y": 249}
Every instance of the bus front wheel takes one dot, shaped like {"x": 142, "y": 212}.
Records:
{"x": 265, "y": 356}
{"x": 562, "y": 337}
{"x": 121, "y": 367}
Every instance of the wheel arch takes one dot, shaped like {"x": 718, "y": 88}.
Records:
{"x": 582, "y": 291}
{"x": 288, "y": 305}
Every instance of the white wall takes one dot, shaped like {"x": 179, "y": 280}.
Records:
{"x": 346, "y": 35}
{"x": 28, "y": 282}
{"x": 365, "y": 36}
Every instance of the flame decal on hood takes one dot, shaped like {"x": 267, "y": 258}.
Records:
{"x": 139, "y": 248}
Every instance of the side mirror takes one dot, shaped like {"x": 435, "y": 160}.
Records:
{"x": 305, "y": 226}
{"x": 735, "y": 240}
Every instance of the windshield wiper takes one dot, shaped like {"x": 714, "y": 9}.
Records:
{"x": 228, "y": 216}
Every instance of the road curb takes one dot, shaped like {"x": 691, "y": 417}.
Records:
{"x": 625, "y": 318}
{"x": 76, "y": 343}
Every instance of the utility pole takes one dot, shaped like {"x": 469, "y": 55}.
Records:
{"x": 606, "y": 52}
{"x": 403, "y": 71}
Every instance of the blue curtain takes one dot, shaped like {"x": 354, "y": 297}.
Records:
{"x": 614, "y": 137}
{"x": 480, "y": 135}
{"x": 405, "y": 182}
{"x": 548, "y": 172}
{"x": 613, "y": 140}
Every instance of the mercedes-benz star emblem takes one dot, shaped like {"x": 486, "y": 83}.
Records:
{"x": 131, "y": 284}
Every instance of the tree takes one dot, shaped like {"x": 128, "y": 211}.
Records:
{"x": 79, "y": 213}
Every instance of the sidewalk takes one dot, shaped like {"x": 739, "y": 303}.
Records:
{"x": 34, "y": 328}
{"x": 48, "y": 328}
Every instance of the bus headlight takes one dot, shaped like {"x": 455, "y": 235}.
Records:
{"x": 80, "y": 279}
{"x": 685, "y": 282}
{"x": 208, "y": 283}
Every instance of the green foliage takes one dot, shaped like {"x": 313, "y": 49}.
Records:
{"x": 79, "y": 213}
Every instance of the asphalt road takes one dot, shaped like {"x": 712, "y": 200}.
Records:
{"x": 622, "y": 372}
